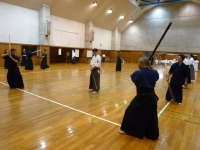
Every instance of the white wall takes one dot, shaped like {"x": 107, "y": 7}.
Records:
{"x": 67, "y": 33}
{"x": 119, "y": 41}
{"x": 20, "y": 23}
{"x": 102, "y": 39}
{"x": 183, "y": 36}
{"x": 23, "y": 26}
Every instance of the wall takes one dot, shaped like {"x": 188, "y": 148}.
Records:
{"x": 119, "y": 41}
{"x": 102, "y": 39}
{"x": 66, "y": 32}
{"x": 183, "y": 36}
{"x": 20, "y": 23}
{"x": 23, "y": 26}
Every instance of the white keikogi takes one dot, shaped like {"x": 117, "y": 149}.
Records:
{"x": 73, "y": 54}
{"x": 96, "y": 61}
{"x": 196, "y": 62}
{"x": 95, "y": 71}
{"x": 186, "y": 61}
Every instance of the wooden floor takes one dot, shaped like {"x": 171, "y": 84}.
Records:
{"x": 56, "y": 111}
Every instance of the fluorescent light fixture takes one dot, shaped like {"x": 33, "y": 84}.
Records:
{"x": 121, "y": 17}
{"x": 131, "y": 21}
{"x": 109, "y": 11}
{"x": 94, "y": 3}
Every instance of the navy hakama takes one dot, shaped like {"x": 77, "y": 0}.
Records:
{"x": 5, "y": 62}
{"x": 29, "y": 62}
{"x": 119, "y": 63}
{"x": 140, "y": 118}
{"x": 188, "y": 76}
{"x": 14, "y": 76}
{"x": 44, "y": 62}
{"x": 179, "y": 74}
{"x": 23, "y": 62}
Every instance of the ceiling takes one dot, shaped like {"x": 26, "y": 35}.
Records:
{"x": 82, "y": 11}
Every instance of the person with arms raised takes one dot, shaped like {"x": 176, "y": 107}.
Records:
{"x": 14, "y": 76}
{"x": 140, "y": 118}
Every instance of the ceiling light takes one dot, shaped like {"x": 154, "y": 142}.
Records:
{"x": 109, "y": 11}
{"x": 121, "y": 17}
{"x": 94, "y": 3}
{"x": 131, "y": 21}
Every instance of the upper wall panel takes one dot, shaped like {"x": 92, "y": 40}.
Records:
{"x": 183, "y": 36}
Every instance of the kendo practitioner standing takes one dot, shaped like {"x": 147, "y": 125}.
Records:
{"x": 29, "y": 61}
{"x": 187, "y": 63}
{"x": 140, "y": 118}
{"x": 14, "y": 76}
{"x": 178, "y": 71}
{"x": 191, "y": 61}
{"x": 119, "y": 62}
{"x": 95, "y": 71}
{"x": 44, "y": 60}
{"x": 73, "y": 57}
{"x": 24, "y": 58}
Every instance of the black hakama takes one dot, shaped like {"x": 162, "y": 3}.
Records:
{"x": 119, "y": 63}
{"x": 176, "y": 87}
{"x": 95, "y": 79}
{"x": 103, "y": 59}
{"x": 6, "y": 64}
{"x": 140, "y": 118}
{"x": 188, "y": 76}
{"x": 179, "y": 74}
{"x": 29, "y": 61}
{"x": 14, "y": 76}
{"x": 44, "y": 62}
{"x": 74, "y": 60}
{"x": 23, "y": 62}
{"x": 192, "y": 75}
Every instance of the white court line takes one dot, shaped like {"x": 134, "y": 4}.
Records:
{"x": 46, "y": 71}
{"x": 163, "y": 109}
{"x": 80, "y": 110}
{"x": 67, "y": 106}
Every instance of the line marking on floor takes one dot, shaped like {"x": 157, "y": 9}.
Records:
{"x": 66, "y": 106}
{"x": 46, "y": 99}
{"x": 163, "y": 108}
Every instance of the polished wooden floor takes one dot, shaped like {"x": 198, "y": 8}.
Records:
{"x": 57, "y": 111}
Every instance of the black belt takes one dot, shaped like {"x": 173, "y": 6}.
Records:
{"x": 145, "y": 90}
{"x": 96, "y": 69}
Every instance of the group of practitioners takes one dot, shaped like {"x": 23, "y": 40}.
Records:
{"x": 140, "y": 118}
{"x": 192, "y": 65}
{"x": 28, "y": 62}
{"x": 12, "y": 63}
